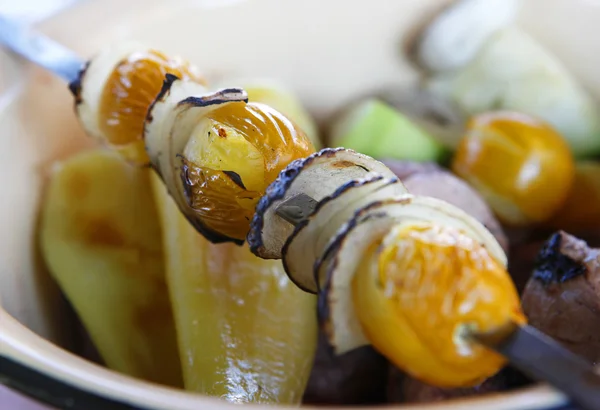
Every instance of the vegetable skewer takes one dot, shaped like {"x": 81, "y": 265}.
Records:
{"x": 516, "y": 342}
{"x": 568, "y": 366}
{"x": 220, "y": 295}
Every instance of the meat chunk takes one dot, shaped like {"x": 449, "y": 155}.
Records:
{"x": 525, "y": 244}
{"x": 405, "y": 389}
{"x": 522, "y": 261}
{"x": 562, "y": 298}
{"x": 430, "y": 180}
{"x": 357, "y": 377}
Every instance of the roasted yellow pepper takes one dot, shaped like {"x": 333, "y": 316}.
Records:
{"x": 101, "y": 239}
{"x": 246, "y": 333}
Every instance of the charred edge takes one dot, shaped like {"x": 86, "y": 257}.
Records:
{"x": 303, "y": 224}
{"x": 275, "y": 191}
{"x": 75, "y": 85}
{"x": 220, "y": 97}
{"x": 323, "y": 303}
{"x": 347, "y": 186}
{"x": 552, "y": 266}
{"x": 376, "y": 204}
{"x": 235, "y": 178}
{"x": 323, "y": 258}
{"x": 356, "y": 218}
{"x": 335, "y": 245}
{"x": 234, "y": 91}
{"x": 160, "y": 97}
{"x": 323, "y": 312}
{"x": 298, "y": 284}
{"x": 186, "y": 181}
{"x": 284, "y": 252}
{"x": 209, "y": 234}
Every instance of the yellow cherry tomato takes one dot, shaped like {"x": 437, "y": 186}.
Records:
{"x": 520, "y": 165}
{"x": 231, "y": 159}
{"x": 131, "y": 88}
{"x": 419, "y": 293}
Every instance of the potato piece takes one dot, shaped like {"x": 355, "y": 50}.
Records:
{"x": 247, "y": 334}
{"x": 102, "y": 242}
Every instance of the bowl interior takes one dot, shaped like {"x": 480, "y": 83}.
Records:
{"x": 328, "y": 52}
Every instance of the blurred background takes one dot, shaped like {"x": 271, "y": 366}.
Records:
{"x": 30, "y": 11}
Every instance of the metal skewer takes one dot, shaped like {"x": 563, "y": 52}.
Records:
{"x": 529, "y": 350}
{"x": 542, "y": 358}
{"x": 39, "y": 49}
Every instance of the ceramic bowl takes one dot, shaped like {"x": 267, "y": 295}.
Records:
{"x": 328, "y": 51}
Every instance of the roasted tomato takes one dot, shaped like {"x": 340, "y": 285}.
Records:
{"x": 519, "y": 164}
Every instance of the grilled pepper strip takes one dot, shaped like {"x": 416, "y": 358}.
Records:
{"x": 246, "y": 333}
{"x": 102, "y": 242}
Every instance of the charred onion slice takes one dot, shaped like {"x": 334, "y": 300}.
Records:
{"x": 115, "y": 90}
{"x": 317, "y": 176}
{"x": 337, "y": 312}
{"x": 344, "y": 333}
{"x": 217, "y": 154}
{"x": 312, "y": 237}
{"x": 167, "y": 130}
